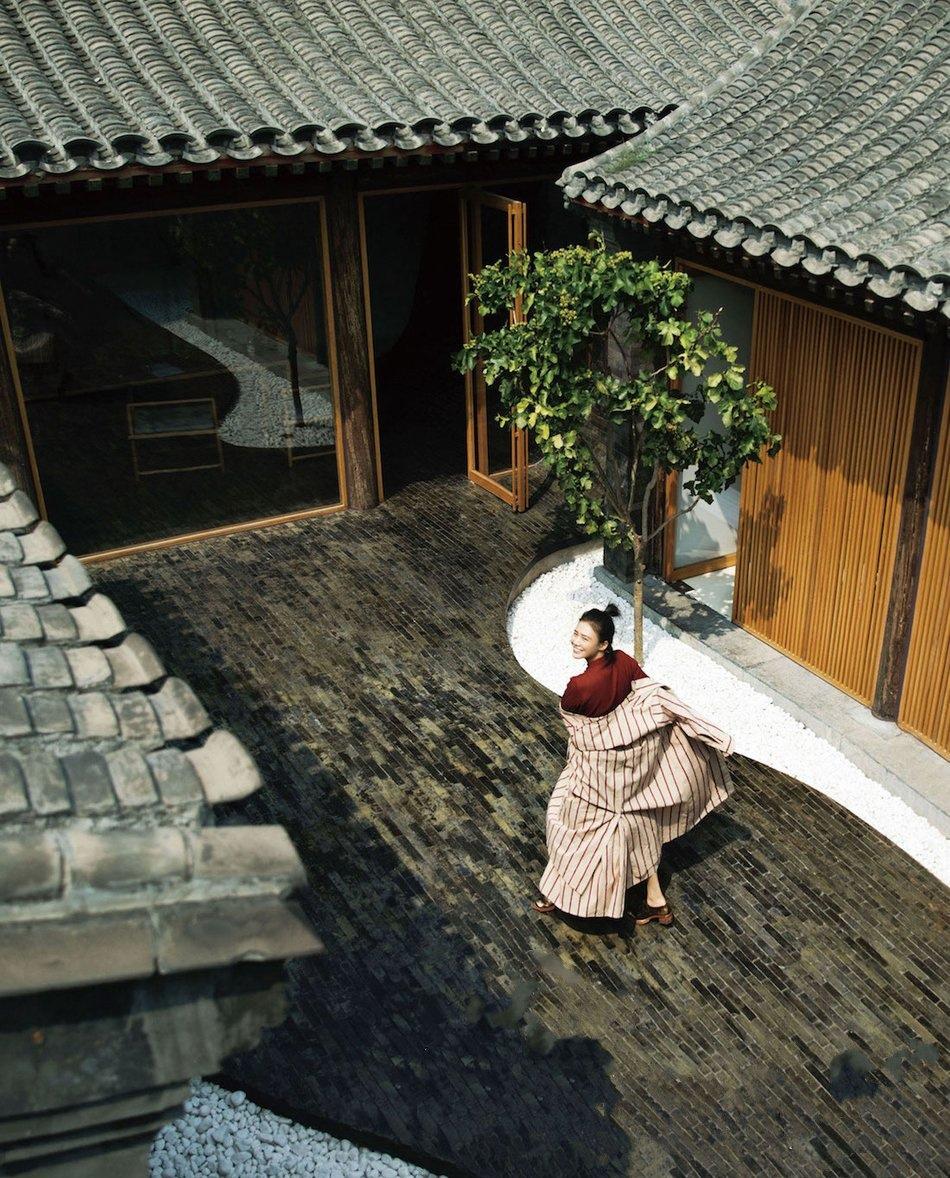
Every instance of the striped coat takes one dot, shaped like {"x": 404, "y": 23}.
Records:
{"x": 635, "y": 778}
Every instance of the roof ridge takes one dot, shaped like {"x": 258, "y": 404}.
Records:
{"x": 797, "y": 11}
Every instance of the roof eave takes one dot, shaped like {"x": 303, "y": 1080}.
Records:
{"x": 923, "y": 293}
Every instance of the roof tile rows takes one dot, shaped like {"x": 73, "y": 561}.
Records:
{"x": 108, "y": 770}
{"x": 103, "y": 84}
{"x": 828, "y": 146}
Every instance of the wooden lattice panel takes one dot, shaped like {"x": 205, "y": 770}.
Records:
{"x": 818, "y": 523}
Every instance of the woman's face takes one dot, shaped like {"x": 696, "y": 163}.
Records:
{"x": 585, "y": 643}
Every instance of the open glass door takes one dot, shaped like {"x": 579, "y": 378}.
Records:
{"x": 492, "y": 227}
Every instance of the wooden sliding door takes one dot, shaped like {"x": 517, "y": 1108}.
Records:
{"x": 818, "y": 523}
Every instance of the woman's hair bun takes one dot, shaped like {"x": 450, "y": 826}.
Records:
{"x": 603, "y": 622}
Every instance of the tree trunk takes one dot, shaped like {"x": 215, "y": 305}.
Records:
{"x": 637, "y": 595}
{"x": 294, "y": 365}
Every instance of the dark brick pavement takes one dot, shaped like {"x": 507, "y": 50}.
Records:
{"x": 363, "y": 659}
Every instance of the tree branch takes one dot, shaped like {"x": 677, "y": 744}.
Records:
{"x": 667, "y": 522}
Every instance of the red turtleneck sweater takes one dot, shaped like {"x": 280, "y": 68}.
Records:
{"x": 599, "y": 689}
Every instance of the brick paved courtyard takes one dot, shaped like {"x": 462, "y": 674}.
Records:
{"x": 363, "y": 659}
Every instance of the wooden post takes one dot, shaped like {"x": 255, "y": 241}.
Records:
{"x": 931, "y": 391}
{"x": 352, "y": 345}
{"x": 14, "y": 451}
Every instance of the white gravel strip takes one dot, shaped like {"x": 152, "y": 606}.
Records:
{"x": 224, "y": 1135}
{"x": 540, "y": 623}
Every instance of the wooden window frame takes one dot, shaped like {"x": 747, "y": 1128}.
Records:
{"x": 671, "y": 487}
{"x": 224, "y": 529}
{"x": 672, "y": 572}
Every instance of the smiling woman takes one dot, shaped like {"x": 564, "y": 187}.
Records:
{"x": 609, "y": 673}
{"x": 642, "y": 769}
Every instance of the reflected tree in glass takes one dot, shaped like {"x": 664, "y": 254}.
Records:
{"x": 269, "y": 255}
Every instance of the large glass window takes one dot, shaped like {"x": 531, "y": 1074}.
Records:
{"x": 175, "y": 370}
{"x": 709, "y": 531}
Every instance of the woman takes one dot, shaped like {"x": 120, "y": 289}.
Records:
{"x": 642, "y": 769}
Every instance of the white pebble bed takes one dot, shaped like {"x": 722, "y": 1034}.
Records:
{"x": 263, "y": 412}
{"x": 540, "y": 623}
{"x": 224, "y": 1135}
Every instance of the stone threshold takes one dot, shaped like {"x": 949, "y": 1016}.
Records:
{"x": 904, "y": 765}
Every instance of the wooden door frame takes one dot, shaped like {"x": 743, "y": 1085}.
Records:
{"x": 370, "y": 348}
{"x": 457, "y": 186}
{"x": 476, "y": 418}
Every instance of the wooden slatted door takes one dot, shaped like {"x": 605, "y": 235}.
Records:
{"x": 492, "y": 227}
{"x": 818, "y": 523}
{"x": 925, "y": 703}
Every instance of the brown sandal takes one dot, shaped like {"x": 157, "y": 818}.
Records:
{"x": 543, "y": 906}
{"x": 662, "y": 914}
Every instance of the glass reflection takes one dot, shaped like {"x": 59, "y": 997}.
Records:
{"x": 174, "y": 369}
{"x": 710, "y": 530}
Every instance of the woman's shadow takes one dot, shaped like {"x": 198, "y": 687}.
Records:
{"x": 680, "y": 858}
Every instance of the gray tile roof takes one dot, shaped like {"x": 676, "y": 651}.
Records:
{"x": 826, "y": 146}
{"x": 101, "y": 84}
{"x": 109, "y": 767}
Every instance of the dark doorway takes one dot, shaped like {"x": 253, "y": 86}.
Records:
{"x": 415, "y": 285}
{"x": 412, "y": 243}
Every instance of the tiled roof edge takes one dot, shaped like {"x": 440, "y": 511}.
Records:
{"x": 922, "y": 292}
{"x": 51, "y": 873}
{"x": 109, "y": 867}
{"x": 92, "y": 948}
{"x": 131, "y": 150}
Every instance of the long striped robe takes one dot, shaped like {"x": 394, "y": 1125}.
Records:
{"x": 635, "y": 778}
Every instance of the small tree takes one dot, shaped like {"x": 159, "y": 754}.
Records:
{"x": 601, "y": 339}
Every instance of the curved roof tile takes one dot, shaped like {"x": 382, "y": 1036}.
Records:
{"x": 109, "y": 769}
{"x": 829, "y": 146}
{"x": 102, "y": 83}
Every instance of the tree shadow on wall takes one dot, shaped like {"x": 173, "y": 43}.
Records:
{"x": 772, "y": 582}
{"x": 397, "y": 1031}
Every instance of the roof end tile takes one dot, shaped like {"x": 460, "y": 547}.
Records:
{"x": 225, "y": 767}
